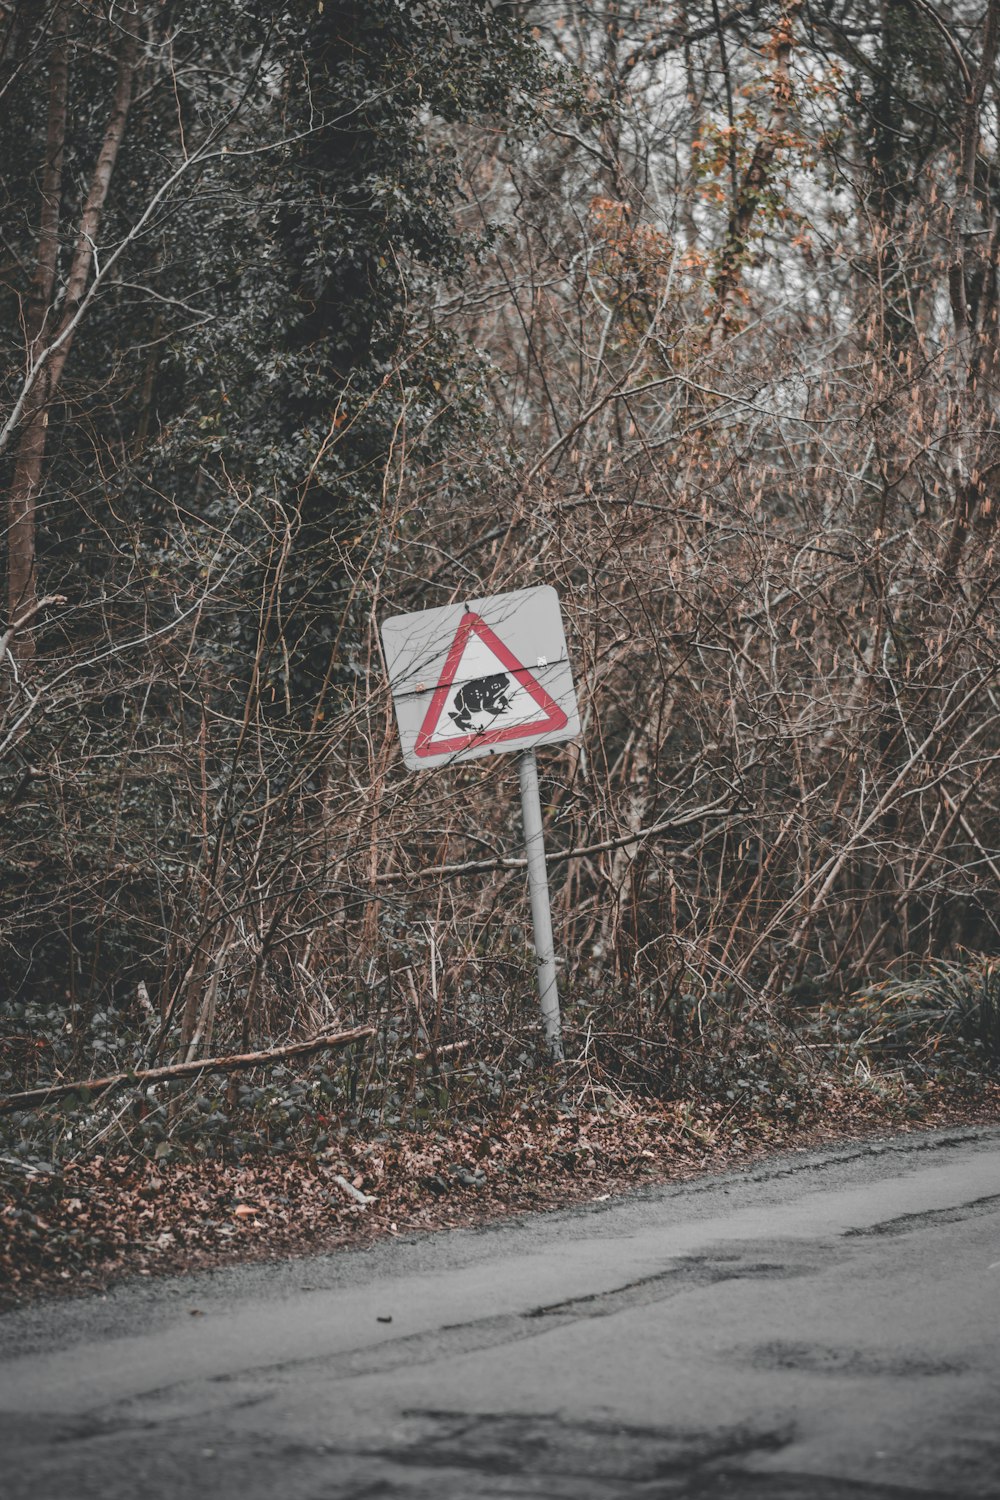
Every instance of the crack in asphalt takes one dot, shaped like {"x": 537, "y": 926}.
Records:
{"x": 451, "y": 1455}
{"x": 908, "y": 1223}
{"x": 820, "y": 1162}
{"x": 697, "y": 1270}
{"x": 819, "y": 1359}
{"x": 430, "y": 1345}
{"x": 547, "y": 1446}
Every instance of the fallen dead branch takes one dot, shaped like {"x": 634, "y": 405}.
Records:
{"x": 31, "y": 1098}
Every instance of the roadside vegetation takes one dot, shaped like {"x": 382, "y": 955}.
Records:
{"x": 393, "y": 1140}
{"x": 318, "y": 315}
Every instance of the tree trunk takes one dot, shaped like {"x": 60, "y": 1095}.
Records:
{"x": 43, "y": 341}
{"x": 972, "y": 286}
{"x": 21, "y": 574}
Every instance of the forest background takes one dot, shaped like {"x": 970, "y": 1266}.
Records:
{"x": 320, "y": 312}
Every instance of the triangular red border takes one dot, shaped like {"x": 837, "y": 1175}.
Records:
{"x": 426, "y": 743}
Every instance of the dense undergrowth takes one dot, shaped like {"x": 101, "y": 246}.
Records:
{"x": 775, "y": 1060}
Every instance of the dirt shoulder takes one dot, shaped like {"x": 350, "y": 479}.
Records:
{"x": 93, "y": 1223}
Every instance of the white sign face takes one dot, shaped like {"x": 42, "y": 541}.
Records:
{"x": 480, "y": 677}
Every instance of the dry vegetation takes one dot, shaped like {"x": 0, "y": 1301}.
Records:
{"x": 737, "y": 402}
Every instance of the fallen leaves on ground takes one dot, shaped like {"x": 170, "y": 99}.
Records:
{"x": 95, "y": 1221}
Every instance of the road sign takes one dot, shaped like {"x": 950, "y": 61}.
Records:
{"x": 480, "y": 677}
{"x": 484, "y": 676}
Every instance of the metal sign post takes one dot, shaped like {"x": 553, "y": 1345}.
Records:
{"x": 541, "y": 910}
{"x": 485, "y": 677}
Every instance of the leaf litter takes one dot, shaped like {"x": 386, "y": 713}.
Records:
{"x": 90, "y": 1223}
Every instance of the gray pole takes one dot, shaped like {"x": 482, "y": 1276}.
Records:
{"x": 541, "y": 914}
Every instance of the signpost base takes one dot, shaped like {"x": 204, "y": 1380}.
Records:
{"x": 541, "y": 914}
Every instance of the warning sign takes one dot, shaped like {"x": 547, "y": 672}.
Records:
{"x": 485, "y": 696}
{"x": 480, "y": 677}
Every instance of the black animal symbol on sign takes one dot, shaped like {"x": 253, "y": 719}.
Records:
{"x": 481, "y": 695}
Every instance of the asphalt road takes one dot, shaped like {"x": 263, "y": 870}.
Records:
{"x": 825, "y": 1325}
